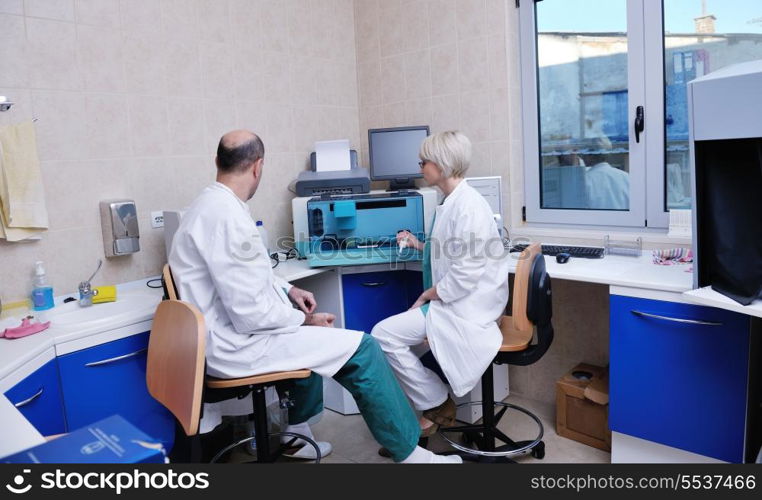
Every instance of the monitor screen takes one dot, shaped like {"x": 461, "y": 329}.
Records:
{"x": 394, "y": 152}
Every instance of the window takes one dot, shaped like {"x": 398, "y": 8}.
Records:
{"x": 605, "y": 102}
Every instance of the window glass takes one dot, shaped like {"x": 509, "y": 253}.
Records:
{"x": 699, "y": 37}
{"x": 583, "y": 94}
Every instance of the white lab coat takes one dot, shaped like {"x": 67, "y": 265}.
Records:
{"x": 221, "y": 266}
{"x": 462, "y": 327}
{"x": 607, "y": 187}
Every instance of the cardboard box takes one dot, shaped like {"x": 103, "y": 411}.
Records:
{"x": 112, "y": 440}
{"x": 582, "y": 408}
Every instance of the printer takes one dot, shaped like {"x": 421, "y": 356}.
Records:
{"x": 361, "y": 229}
{"x": 339, "y": 182}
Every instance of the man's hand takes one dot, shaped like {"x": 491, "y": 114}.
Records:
{"x": 303, "y": 299}
{"x": 319, "y": 319}
{"x": 427, "y": 296}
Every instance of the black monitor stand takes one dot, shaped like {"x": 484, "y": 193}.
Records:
{"x": 402, "y": 184}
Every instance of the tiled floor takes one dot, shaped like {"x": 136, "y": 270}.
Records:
{"x": 353, "y": 443}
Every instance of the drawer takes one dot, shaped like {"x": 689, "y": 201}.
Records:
{"x": 110, "y": 379}
{"x": 679, "y": 375}
{"x": 38, "y": 398}
{"x": 371, "y": 297}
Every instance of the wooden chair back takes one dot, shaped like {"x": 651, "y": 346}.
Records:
{"x": 176, "y": 355}
{"x": 521, "y": 288}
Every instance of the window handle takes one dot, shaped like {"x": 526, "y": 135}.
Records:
{"x": 640, "y": 122}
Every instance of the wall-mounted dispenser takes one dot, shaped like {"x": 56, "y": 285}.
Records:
{"x": 119, "y": 221}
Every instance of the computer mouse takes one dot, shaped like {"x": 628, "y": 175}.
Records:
{"x": 563, "y": 258}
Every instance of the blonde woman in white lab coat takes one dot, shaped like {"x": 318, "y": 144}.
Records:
{"x": 466, "y": 290}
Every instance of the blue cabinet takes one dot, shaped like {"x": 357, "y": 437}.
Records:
{"x": 38, "y": 398}
{"x": 374, "y": 296}
{"x": 679, "y": 375}
{"x": 110, "y": 379}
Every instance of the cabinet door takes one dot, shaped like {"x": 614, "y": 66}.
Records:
{"x": 371, "y": 297}
{"x": 38, "y": 398}
{"x": 679, "y": 375}
{"x": 110, "y": 379}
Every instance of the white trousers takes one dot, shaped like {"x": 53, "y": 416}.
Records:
{"x": 401, "y": 337}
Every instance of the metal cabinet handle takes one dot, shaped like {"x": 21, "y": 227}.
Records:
{"x": 118, "y": 358}
{"x": 21, "y": 404}
{"x": 676, "y": 320}
{"x": 374, "y": 284}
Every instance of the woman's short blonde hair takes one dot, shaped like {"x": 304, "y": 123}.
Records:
{"x": 450, "y": 150}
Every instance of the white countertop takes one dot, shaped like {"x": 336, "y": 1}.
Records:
{"x": 708, "y": 297}
{"x": 615, "y": 270}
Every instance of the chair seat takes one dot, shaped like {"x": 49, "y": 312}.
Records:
{"x": 265, "y": 378}
{"x": 513, "y": 340}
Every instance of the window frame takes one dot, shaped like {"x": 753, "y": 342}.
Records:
{"x": 645, "y": 88}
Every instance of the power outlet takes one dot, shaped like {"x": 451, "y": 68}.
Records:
{"x": 157, "y": 219}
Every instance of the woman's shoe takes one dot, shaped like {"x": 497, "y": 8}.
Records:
{"x": 443, "y": 415}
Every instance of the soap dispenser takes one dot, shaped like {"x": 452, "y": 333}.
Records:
{"x": 42, "y": 293}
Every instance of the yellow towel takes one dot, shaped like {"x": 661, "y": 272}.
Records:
{"x": 21, "y": 190}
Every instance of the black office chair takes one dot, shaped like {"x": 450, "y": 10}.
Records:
{"x": 531, "y": 309}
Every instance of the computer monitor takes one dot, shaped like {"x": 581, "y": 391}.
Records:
{"x": 394, "y": 155}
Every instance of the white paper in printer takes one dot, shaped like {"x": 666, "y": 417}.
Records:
{"x": 332, "y": 155}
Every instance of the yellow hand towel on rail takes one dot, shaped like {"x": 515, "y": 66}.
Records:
{"x": 21, "y": 190}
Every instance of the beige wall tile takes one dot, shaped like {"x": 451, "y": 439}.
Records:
{"x": 393, "y": 78}
{"x": 183, "y": 69}
{"x": 61, "y": 126}
{"x": 186, "y": 127}
{"x": 50, "y": 9}
{"x": 141, "y": 15}
{"x": 215, "y": 20}
{"x": 472, "y": 18}
{"x": 443, "y": 28}
{"x": 216, "y": 68}
{"x": 52, "y": 55}
{"x": 103, "y": 13}
{"x": 444, "y": 70}
{"x": 99, "y": 52}
{"x": 15, "y": 7}
{"x": 180, "y": 20}
{"x": 219, "y": 117}
{"x": 473, "y": 64}
{"x": 107, "y": 126}
{"x": 367, "y": 29}
{"x": 418, "y": 76}
{"x": 445, "y": 113}
{"x": 144, "y": 63}
{"x": 275, "y": 25}
{"x": 149, "y": 126}
{"x": 14, "y": 51}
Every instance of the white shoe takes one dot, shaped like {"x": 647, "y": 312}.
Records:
{"x": 306, "y": 451}
{"x": 424, "y": 456}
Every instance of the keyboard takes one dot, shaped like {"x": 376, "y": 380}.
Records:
{"x": 553, "y": 250}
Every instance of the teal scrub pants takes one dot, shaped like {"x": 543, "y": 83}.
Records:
{"x": 370, "y": 380}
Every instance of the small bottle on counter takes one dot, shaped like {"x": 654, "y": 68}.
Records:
{"x": 42, "y": 292}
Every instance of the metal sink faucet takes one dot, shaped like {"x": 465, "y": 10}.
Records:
{"x": 86, "y": 291}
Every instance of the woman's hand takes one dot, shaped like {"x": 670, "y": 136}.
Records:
{"x": 319, "y": 319}
{"x": 427, "y": 296}
{"x": 410, "y": 240}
